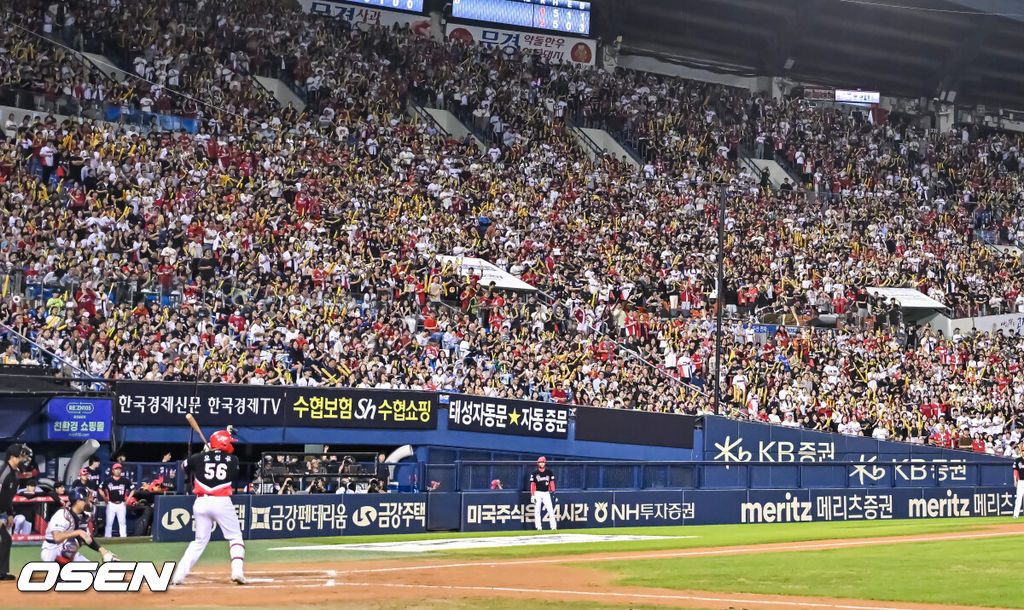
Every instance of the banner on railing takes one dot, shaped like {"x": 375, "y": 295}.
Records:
{"x": 634, "y": 427}
{"x": 294, "y": 516}
{"x": 507, "y": 511}
{"x": 366, "y": 16}
{"x": 78, "y": 419}
{"x": 729, "y": 440}
{"x": 166, "y": 404}
{"x": 551, "y": 47}
{"x": 143, "y": 119}
{"x": 505, "y": 416}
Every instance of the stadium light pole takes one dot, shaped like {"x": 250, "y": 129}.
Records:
{"x": 720, "y": 297}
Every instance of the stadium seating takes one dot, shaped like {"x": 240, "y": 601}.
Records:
{"x": 277, "y": 246}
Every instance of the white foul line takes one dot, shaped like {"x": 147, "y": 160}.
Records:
{"x": 546, "y": 592}
{"x": 694, "y": 553}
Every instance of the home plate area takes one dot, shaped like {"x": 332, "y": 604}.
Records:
{"x": 449, "y": 544}
{"x": 270, "y": 579}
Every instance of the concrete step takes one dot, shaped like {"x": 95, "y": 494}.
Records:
{"x": 598, "y": 141}
{"x": 105, "y": 64}
{"x": 776, "y": 172}
{"x": 451, "y": 123}
{"x": 281, "y": 92}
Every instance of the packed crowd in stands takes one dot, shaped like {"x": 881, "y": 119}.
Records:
{"x": 283, "y": 247}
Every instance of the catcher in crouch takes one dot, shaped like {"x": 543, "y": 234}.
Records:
{"x": 68, "y": 531}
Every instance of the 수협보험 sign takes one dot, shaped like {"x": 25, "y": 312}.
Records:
{"x": 350, "y": 408}
{"x": 78, "y": 419}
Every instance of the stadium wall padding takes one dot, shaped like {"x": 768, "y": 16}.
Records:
{"x": 297, "y": 516}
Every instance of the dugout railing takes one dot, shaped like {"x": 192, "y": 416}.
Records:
{"x": 621, "y": 475}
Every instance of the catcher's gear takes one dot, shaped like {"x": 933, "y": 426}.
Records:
{"x": 25, "y": 453}
{"x": 222, "y": 440}
{"x": 68, "y": 550}
{"x": 79, "y": 493}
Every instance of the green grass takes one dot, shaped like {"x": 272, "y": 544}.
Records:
{"x": 704, "y": 536}
{"x": 984, "y": 572}
{"x": 987, "y": 572}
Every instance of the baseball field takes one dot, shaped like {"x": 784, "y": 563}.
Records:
{"x": 942, "y": 563}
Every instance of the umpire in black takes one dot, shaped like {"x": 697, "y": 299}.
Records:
{"x": 15, "y": 458}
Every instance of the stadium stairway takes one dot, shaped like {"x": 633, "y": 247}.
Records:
{"x": 103, "y": 64}
{"x": 776, "y": 172}
{"x": 281, "y": 92}
{"x": 450, "y": 124}
{"x": 597, "y": 142}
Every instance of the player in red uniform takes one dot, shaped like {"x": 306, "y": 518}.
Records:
{"x": 213, "y": 471}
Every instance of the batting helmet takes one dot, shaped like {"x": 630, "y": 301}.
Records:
{"x": 222, "y": 440}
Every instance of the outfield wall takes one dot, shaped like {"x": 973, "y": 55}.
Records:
{"x": 362, "y": 514}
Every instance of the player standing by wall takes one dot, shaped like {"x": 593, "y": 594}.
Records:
{"x": 116, "y": 491}
{"x": 542, "y": 485}
{"x": 68, "y": 530}
{"x": 14, "y": 460}
{"x": 1018, "y": 479}
{"x": 213, "y": 472}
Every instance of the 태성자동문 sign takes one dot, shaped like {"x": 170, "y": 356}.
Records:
{"x": 165, "y": 404}
{"x": 506, "y": 416}
{"x": 75, "y": 418}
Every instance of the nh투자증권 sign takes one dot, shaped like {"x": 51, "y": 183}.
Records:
{"x": 505, "y": 416}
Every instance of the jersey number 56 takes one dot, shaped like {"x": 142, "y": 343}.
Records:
{"x": 216, "y": 471}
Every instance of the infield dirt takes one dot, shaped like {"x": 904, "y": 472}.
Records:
{"x": 407, "y": 582}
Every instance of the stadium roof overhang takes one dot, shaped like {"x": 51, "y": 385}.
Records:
{"x": 908, "y": 48}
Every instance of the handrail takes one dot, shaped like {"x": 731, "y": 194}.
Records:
{"x": 598, "y": 150}
{"x": 421, "y": 111}
{"x": 61, "y": 359}
{"x": 990, "y": 461}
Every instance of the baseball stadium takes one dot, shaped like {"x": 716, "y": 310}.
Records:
{"x": 511, "y": 304}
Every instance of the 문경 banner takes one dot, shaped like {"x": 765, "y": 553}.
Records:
{"x": 506, "y": 416}
{"x": 551, "y": 47}
{"x": 166, "y": 404}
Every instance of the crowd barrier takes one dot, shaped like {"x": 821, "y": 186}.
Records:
{"x": 155, "y": 412}
{"x": 593, "y": 475}
{"x": 730, "y": 440}
{"x": 297, "y": 516}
